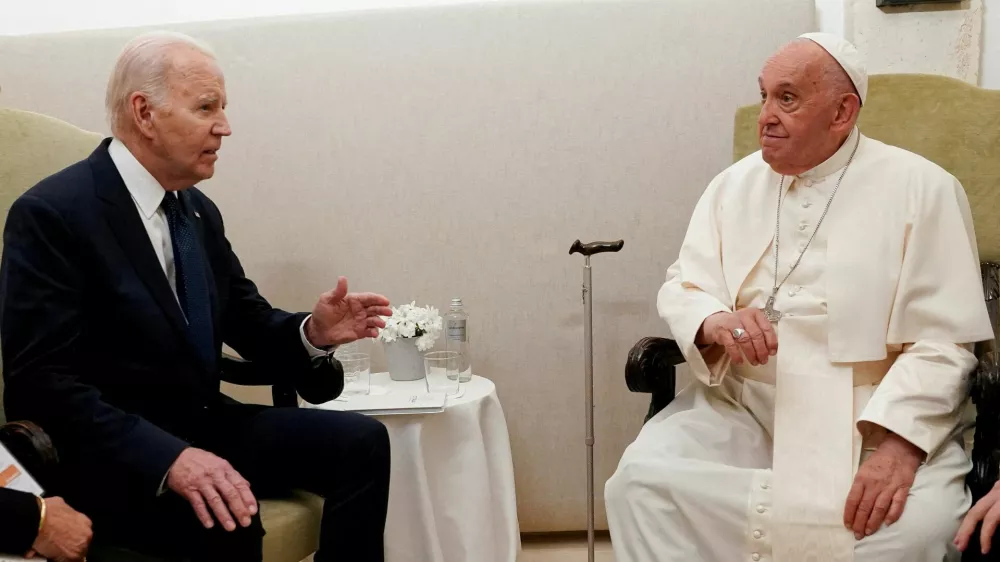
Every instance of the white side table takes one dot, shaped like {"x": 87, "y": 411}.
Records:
{"x": 451, "y": 495}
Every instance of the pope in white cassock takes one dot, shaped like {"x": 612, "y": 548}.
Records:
{"x": 826, "y": 298}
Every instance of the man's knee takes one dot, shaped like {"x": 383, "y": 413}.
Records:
{"x": 632, "y": 480}
{"x": 241, "y": 544}
{"x": 925, "y": 530}
{"x": 366, "y": 447}
{"x": 373, "y": 441}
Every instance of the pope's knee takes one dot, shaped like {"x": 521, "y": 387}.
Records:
{"x": 931, "y": 525}
{"x": 631, "y": 481}
{"x": 928, "y": 524}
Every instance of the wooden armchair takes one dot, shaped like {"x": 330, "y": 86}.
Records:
{"x": 33, "y": 147}
{"x": 957, "y": 126}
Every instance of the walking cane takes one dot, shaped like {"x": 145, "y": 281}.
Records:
{"x": 588, "y": 341}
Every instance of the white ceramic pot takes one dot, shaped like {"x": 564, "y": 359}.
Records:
{"x": 406, "y": 363}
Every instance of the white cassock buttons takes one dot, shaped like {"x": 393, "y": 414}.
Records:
{"x": 806, "y": 204}
{"x": 755, "y": 557}
{"x": 764, "y": 486}
{"x": 757, "y": 534}
{"x": 803, "y": 226}
{"x": 809, "y": 183}
{"x": 761, "y": 508}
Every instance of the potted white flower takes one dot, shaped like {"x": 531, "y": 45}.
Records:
{"x": 410, "y": 331}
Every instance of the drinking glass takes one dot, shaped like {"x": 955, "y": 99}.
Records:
{"x": 357, "y": 373}
{"x": 441, "y": 369}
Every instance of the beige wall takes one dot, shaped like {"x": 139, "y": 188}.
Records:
{"x": 947, "y": 39}
{"x": 989, "y": 77}
{"x": 441, "y": 152}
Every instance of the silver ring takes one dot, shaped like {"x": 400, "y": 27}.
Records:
{"x": 738, "y": 333}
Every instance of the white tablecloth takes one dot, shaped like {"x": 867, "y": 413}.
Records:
{"x": 451, "y": 495}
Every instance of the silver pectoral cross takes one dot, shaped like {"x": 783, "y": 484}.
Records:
{"x": 772, "y": 314}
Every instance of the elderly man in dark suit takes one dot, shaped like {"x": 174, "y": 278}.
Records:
{"x": 118, "y": 288}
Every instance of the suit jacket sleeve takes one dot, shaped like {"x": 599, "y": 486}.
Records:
{"x": 41, "y": 315}
{"x": 270, "y": 336}
{"x": 18, "y": 521}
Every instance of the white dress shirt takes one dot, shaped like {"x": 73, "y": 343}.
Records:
{"x": 147, "y": 193}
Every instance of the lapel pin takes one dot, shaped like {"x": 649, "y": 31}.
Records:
{"x": 196, "y": 215}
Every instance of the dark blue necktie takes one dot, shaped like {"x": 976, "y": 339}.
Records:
{"x": 192, "y": 281}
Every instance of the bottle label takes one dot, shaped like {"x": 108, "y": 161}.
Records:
{"x": 456, "y": 330}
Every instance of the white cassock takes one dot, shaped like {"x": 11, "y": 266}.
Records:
{"x": 755, "y": 463}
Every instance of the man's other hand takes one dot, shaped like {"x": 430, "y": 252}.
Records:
{"x": 341, "y": 317}
{"x": 881, "y": 486}
{"x": 757, "y": 344}
{"x": 987, "y": 510}
{"x": 209, "y": 482}
{"x": 65, "y": 535}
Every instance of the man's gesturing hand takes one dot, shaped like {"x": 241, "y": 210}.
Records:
{"x": 341, "y": 317}
{"x": 757, "y": 344}
{"x": 206, "y": 480}
{"x": 881, "y": 486}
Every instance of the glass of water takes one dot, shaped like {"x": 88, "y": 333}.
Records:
{"x": 357, "y": 373}
{"x": 441, "y": 368}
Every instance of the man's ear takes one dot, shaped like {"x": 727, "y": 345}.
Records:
{"x": 848, "y": 108}
{"x": 141, "y": 113}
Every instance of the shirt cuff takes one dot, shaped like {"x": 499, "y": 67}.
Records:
{"x": 313, "y": 351}
{"x": 163, "y": 485}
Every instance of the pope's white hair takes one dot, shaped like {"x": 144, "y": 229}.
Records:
{"x": 143, "y": 66}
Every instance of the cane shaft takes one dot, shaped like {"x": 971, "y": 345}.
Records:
{"x": 588, "y": 305}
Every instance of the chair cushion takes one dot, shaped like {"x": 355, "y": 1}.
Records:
{"x": 291, "y": 526}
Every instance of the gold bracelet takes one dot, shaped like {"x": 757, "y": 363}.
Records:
{"x": 41, "y": 509}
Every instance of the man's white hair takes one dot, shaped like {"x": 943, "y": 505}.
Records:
{"x": 143, "y": 66}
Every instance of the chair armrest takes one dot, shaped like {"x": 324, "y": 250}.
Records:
{"x": 985, "y": 394}
{"x": 244, "y": 373}
{"x": 33, "y": 448}
{"x": 324, "y": 382}
{"x": 650, "y": 365}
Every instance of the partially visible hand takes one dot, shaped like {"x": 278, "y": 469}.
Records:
{"x": 757, "y": 344}
{"x": 204, "y": 479}
{"x": 987, "y": 510}
{"x": 341, "y": 317}
{"x": 65, "y": 535}
{"x": 882, "y": 486}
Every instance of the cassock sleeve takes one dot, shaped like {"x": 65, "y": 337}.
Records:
{"x": 937, "y": 313}
{"x": 696, "y": 288}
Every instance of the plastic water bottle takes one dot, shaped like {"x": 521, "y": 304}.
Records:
{"x": 456, "y": 325}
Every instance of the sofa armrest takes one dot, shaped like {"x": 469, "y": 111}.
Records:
{"x": 33, "y": 448}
